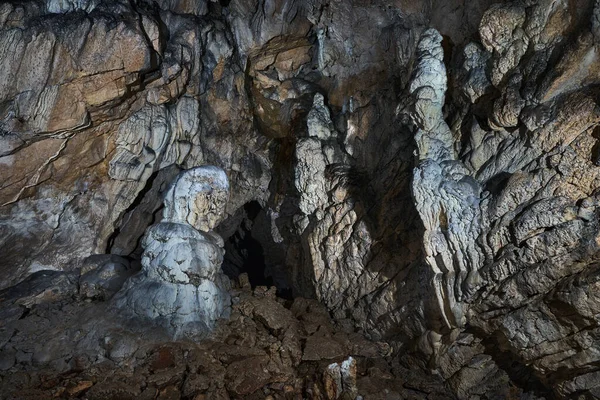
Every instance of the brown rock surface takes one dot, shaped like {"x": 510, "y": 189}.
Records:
{"x": 153, "y": 367}
{"x": 426, "y": 173}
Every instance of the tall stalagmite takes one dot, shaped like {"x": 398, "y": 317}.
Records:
{"x": 427, "y": 173}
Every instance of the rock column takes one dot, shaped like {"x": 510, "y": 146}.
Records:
{"x": 446, "y": 196}
{"x": 181, "y": 286}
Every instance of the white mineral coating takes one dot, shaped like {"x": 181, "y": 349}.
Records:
{"x": 428, "y": 87}
{"x": 491, "y": 220}
{"x": 318, "y": 120}
{"x": 180, "y": 254}
{"x": 446, "y": 196}
{"x": 348, "y": 373}
{"x": 310, "y": 175}
{"x": 180, "y": 286}
{"x": 198, "y": 197}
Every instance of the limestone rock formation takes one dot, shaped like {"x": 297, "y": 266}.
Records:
{"x": 181, "y": 286}
{"x": 198, "y": 198}
{"x": 427, "y": 171}
{"x": 446, "y": 195}
{"x": 506, "y": 221}
{"x": 103, "y": 275}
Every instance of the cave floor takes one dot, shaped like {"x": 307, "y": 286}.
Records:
{"x": 56, "y": 345}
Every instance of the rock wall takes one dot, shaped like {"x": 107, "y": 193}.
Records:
{"x": 427, "y": 170}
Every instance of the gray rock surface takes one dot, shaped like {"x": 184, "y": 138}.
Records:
{"x": 427, "y": 170}
{"x": 446, "y": 196}
{"x": 198, "y": 197}
{"x": 103, "y": 275}
{"x": 506, "y": 223}
{"x": 181, "y": 286}
{"x": 258, "y": 350}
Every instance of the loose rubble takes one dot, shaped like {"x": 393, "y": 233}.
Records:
{"x": 268, "y": 348}
{"x": 426, "y": 171}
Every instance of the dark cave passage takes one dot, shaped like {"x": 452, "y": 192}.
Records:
{"x": 250, "y": 249}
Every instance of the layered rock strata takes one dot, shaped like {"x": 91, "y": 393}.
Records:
{"x": 427, "y": 170}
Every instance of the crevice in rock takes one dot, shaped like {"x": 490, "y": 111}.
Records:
{"x": 520, "y": 374}
{"x": 26, "y": 311}
{"x": 250, "y": 249}
{"x": 142, "y": 213}
{"x": 595, "y": 156}
{"x": 496, "y": 184}
{"x": 136, "y": 202}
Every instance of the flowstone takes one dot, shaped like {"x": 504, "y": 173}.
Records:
{"x": 181, "y": 286}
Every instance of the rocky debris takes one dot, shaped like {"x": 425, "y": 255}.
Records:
{"x": 276, "y": 318}
{"x": 428, "y": 171}
{"x": 321, "y": 346}
{"x": 244, "y": 358}
{"x": 181, "y": 286}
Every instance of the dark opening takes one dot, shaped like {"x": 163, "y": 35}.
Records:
{"x": 249, "y": 248}
{"x": 496, "y": 184}
{"x": 520, "y": 374}
{"x": 596, "y": 147}
{"x": 253, "y": 261}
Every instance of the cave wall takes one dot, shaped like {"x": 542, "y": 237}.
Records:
{"x": 429, "y": 168}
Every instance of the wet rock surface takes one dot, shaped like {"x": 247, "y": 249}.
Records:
{"x": 426, "y": 171}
